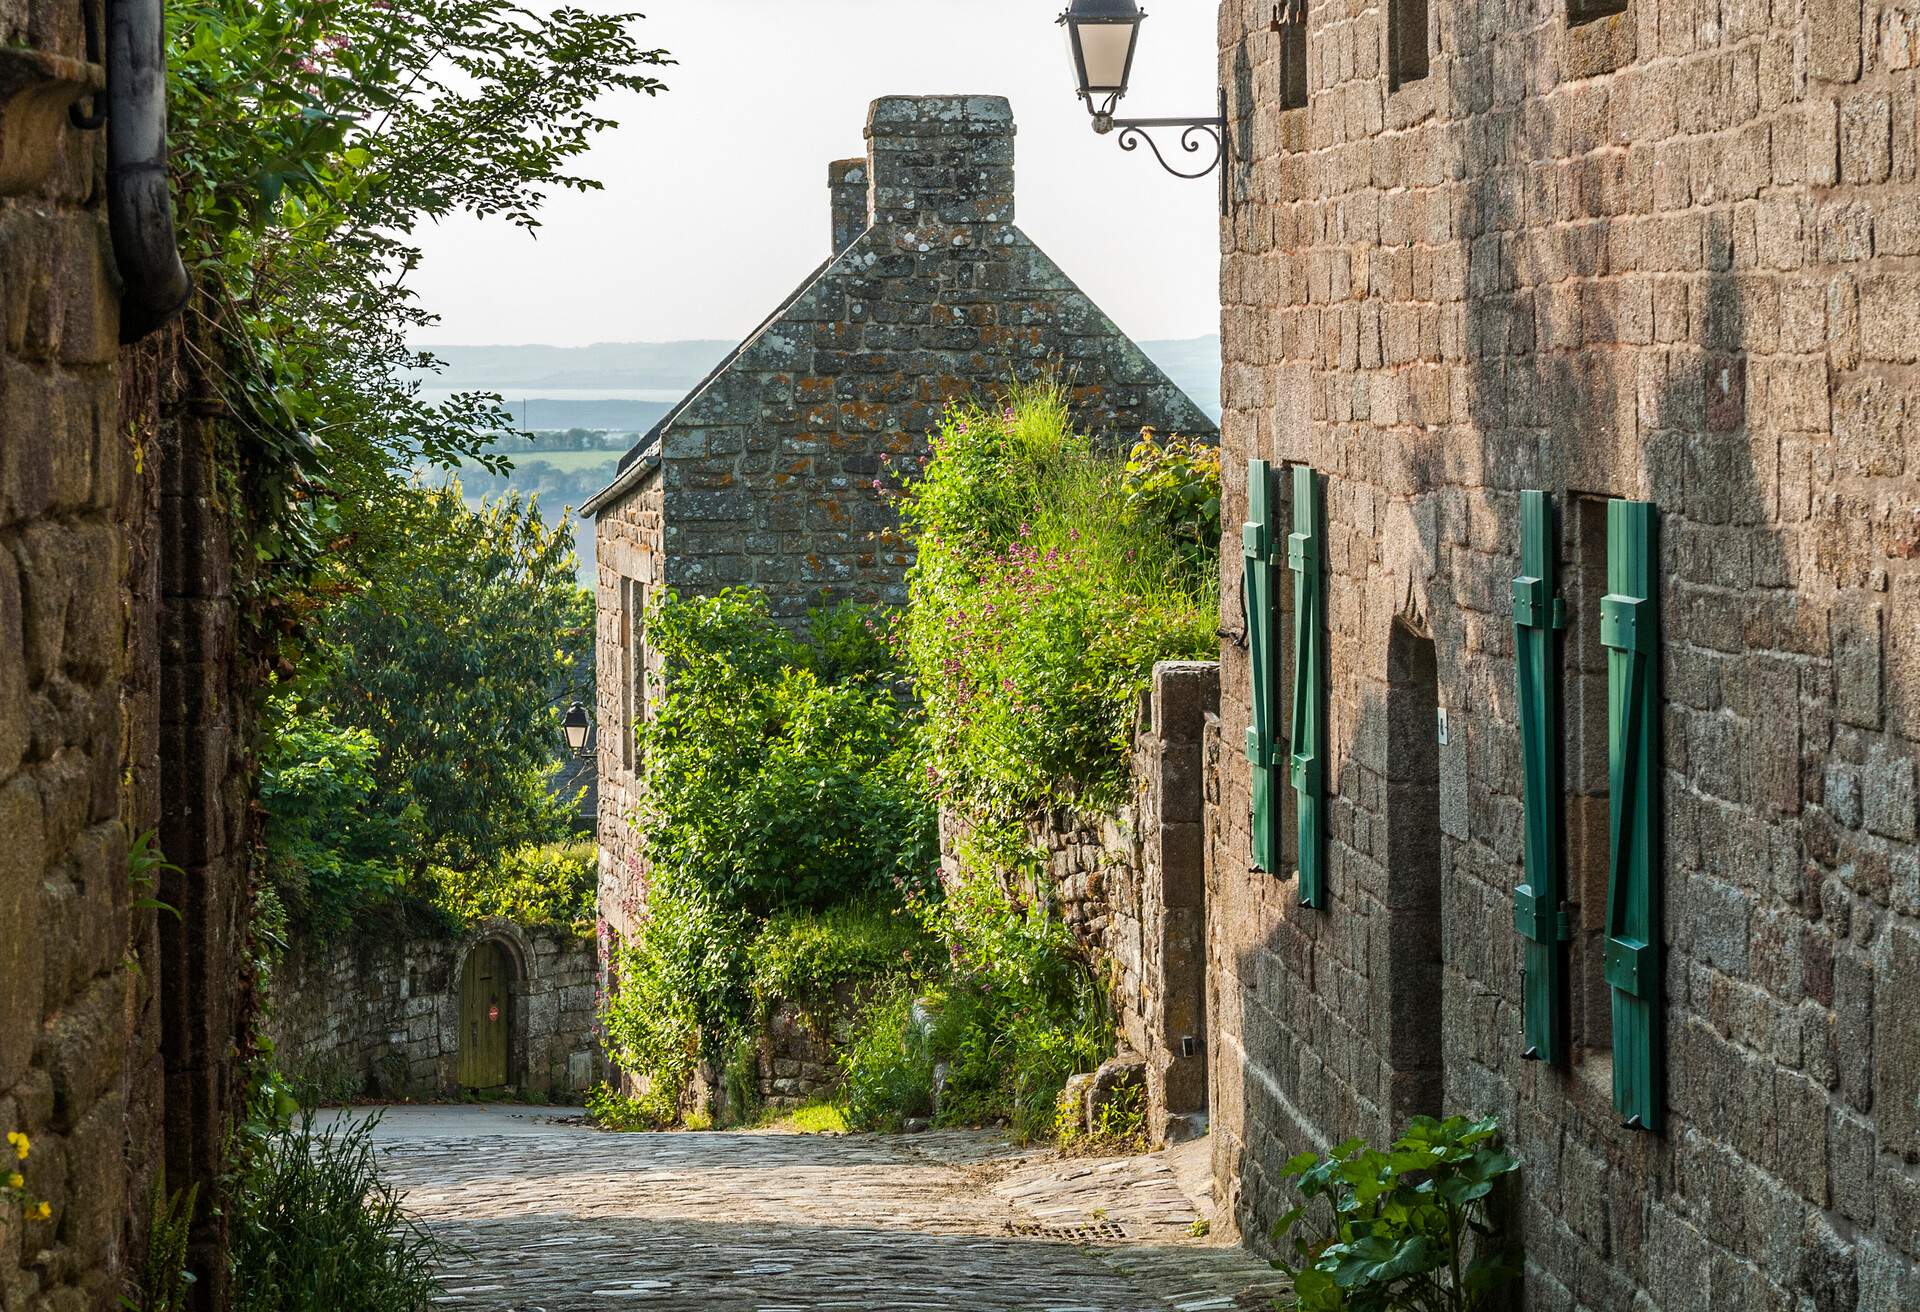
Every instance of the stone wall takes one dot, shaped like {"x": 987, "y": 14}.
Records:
{"x": 382, "y": 1019}
{"x": 1130, "y": 885}
{"x": 122, "y": 711}
{"x": 1671, "y": 254}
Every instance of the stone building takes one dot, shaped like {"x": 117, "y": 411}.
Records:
{"x": 1623, "y": 251}
{"x": 763, "y": 475}
{"x": 121, "y": 703}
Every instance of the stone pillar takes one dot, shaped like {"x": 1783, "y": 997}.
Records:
{"x": 847, "y": 183}
{"x": 942, "y": 165}
{"x": 1174, "y": 863}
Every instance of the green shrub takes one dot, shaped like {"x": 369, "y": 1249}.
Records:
{"x": 803, "y": 957}
{"x": 1404, "y": 1230}
{"x": 1036, "y": 612}
{"x": 611, "y": 1109}
{"x": 551, "y": 884}
{"x": 888, "y": 1066}
{"x": 1175, "y": 482}
{"x": 777, "y": 774}
{"x": 780, "y": 784}
{"x": 331, "y": 850}
{"x": 1013, "y": 1013}
{"x": 315, "y": 1228}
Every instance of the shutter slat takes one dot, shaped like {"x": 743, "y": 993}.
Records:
{"x": 1305, "y": 552}
{"x": 1539, "y": 914}
{"x": 1630, "y": 630}
{"x": 1256, "y": 582}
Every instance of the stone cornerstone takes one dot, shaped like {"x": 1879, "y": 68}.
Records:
{"x": 764, "y": 474}
{"x": 1643, "y": 250}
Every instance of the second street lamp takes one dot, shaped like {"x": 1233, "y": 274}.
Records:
{"x": 1102, "y": 37}
{"x": 577, "y": 727}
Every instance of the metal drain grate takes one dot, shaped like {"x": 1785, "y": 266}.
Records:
{"x": 1092, "y": 1232}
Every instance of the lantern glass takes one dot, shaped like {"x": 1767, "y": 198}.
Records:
{"x": 1101, "y": 38}
{"x": 575, "y": 726}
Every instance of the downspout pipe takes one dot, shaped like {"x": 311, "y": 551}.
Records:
{"x": 154, "y": 281}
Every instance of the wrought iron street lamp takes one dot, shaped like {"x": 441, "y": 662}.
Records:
{"x": 577, "y": 727}
{"x": 1102, "y": 36}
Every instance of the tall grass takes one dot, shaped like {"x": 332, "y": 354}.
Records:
{"x": 316, "y": 1229}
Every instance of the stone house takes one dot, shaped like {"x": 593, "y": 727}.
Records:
{"x": 764, "y": 474}
{"x": 1658, "y": 264}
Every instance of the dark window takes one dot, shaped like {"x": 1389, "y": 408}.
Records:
{"x": 1293, "y": 56}
{"x": 1585, "y": 11}
{"x": 1583, "y": 583}
{"x": 1407, "y": 42}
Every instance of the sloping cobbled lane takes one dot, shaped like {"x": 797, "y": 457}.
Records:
{"x": 548, "y": 1216}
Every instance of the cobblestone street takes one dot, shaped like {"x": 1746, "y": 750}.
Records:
{"x": 556, "y": 1217}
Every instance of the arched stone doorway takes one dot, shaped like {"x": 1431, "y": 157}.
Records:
{"x": 486, "y": 1016}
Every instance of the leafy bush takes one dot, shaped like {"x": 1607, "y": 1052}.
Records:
{"x": 1015, "y": 1012}
{"x": 777, "y": 774}
{"x": 315, "y": 1228}
{"x": 552, "y": 884}
{"x": 1036, "y": 612}
{"x": 888, "y": 1065}
{"x": 779, "y": 784}
{"x": 803, "y": 957}
{"x": 1175, "y": 481}
{"x": 1406, "y": 1230}
{"x": 332, "y": 851}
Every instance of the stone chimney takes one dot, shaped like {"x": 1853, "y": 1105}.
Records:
{"x": 847, "y": 183}
{"x": 942, "y": 165}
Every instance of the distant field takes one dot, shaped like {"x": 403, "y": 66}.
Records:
{"x": 573, "y": 462}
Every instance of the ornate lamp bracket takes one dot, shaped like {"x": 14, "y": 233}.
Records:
{"x": 1195, "y": 135}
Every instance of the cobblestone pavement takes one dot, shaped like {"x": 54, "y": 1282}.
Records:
{"x": 555, "y": 1217}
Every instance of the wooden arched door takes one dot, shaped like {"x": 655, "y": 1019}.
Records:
{"x": 485, "y": 1015}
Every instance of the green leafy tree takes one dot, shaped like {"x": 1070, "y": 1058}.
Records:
{"x": 452, "y": 661}
{"x": 334, "y": 849}
{"x": 311, "y": 140}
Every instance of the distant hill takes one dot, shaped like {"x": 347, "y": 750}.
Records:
{"x": 1192, "y": 362}
{"x": 544, "y": 412}
{"x": 605, "y": 364}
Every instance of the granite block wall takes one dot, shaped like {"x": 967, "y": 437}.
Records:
{"x": 382, "y": 1019}
{"x": 1666, "y": 253}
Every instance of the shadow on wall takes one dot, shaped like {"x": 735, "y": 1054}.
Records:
{"x": 1647, "y": 358}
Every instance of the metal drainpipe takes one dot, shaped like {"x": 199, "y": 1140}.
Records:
{"x": 139, "y": 202}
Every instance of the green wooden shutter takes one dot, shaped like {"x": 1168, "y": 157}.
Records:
{"x": 1256, "y": 597}
{"x": 1539, "y": 616}
{"x": 1630, "y": 630}
{"x": 1305, "y": 552}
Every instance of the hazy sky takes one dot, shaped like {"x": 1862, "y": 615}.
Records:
{"x": 716, "y": 202}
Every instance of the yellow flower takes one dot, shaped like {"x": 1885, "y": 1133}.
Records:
{"x": 21, "y": 1144}
{"x": 16, "y": 1181}
{"x": 45, "y": 1211}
